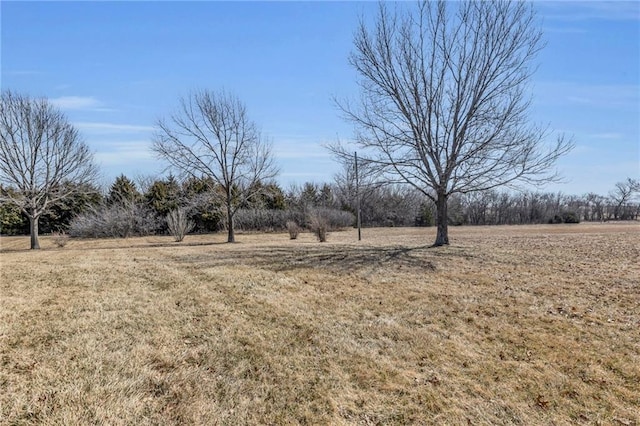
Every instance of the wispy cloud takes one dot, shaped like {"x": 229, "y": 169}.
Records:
{"x": 299, "y": 148}
{"x": 76, "y": 102}
{"x": 310, "y": 175}
{"x": 110, "y": 128}
{"x": 62, "y": 87}
{"x": 608, "y": 136}
{"x": 564, "y": 30}
{"x": 589, "y": 10}
{"x": 124, "y": 153}
{"x": 594, "y": 95}
{"x": 22, "y": 73}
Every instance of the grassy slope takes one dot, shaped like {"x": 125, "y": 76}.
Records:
{"x": 509, "y": 325}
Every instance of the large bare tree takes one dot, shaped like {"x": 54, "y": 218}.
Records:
{"x": 212, "y": 136}
{"x": 42, "y": 157}
{"x": 621, "y": 197}
{"x": 444, "y": 99}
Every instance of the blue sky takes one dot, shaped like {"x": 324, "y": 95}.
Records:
{"x": 116, "y": 67}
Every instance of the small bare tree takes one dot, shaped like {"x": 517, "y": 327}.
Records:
{"x": 179, "y": 224}
{"x": 40, "y": 152}
{"x": 212, "y": 136}
{"x": 444, "y": 99}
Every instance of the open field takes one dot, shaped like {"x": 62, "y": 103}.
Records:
{"x": 509, "y": 325}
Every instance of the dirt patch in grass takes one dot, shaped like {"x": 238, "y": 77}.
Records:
{"x": 509, "y": 325}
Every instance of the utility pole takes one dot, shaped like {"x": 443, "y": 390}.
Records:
{"x": 355, "y": 154}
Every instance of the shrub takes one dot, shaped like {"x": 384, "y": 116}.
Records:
{"x": 293, "y": 228}
{"x": 60, "y": 239}
{"x": 570, "y": 217}
{"x": 265, "y": 220}
{"x": 179, "y": 224}
{"x": 115, "y": 221}
{"x": 566, "y": 217}
{"x": 319, "y": 224}
{"x": 425, "y": 216}
{"x": 335, "y": 219}
{"x": 555, "y": 219}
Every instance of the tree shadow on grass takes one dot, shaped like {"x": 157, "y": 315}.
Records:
{"x": 329, "y": 258}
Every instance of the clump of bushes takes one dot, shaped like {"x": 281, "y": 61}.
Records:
{"x": 566, "y": 217}
{"x": 293, "y": 228}
{"x": 319, "y": 225}
{"x": 264, "y": 220}
{"x": 271, "y": 220}
{"x": 570, "y": 217}
{"x": 115, "y": 221}
{"x": 60, "y": 239}
{"x": 335, "y": 219}
{"x": 322, "y": 220}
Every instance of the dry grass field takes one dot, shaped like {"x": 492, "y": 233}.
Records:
{"x": 522, "y": 325}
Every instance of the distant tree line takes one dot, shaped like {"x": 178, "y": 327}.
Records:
{"x": 226, "y": 182}
{"x": 130, "y": 208}
{"x": 506, "y": 208}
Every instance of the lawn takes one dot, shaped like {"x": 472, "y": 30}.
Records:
{"x": 508, "y": 325}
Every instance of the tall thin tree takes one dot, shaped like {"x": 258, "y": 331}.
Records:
{"x": 42, "y": 157}
{"x": 444, "y": 103}
{"x": 212, "y": 136}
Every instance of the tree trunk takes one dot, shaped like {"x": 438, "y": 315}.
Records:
{"x": 33, "y": 228}
{"x": 231, "y": 238}
{"x": 442, "y": 237}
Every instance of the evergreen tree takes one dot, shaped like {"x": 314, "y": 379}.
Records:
{"x": 122, "y": 191}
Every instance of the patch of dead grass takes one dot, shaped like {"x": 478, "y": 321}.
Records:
{"x": 510, "y": 325}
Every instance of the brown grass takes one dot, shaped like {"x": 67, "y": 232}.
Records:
{"x": 509, "y": 325}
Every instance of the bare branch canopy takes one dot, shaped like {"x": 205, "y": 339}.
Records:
{"x": 444, "y": 99}
{"x": 42, "y": 157}
{"x": 211, "y": 135}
